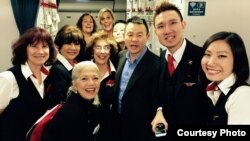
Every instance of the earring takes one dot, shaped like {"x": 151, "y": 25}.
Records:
{"x": 75, "y": 90}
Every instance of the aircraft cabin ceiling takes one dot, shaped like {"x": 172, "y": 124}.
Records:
{"x": 91, "y": 5}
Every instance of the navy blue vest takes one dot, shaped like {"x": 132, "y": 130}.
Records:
{"x": 217, "y": 112}
{"x": 23, "y": 111}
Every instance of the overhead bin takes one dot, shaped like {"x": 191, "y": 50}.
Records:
{"x": 91, "y": 5}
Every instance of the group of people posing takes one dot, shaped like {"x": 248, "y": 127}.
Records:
{"x": 114, "y": 88}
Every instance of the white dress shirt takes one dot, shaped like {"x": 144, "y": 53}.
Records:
{"x": 237, "y": 104}
{"x": 9, "y": 88}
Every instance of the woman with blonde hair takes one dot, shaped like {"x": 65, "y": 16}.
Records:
{"x": 106, "y": 20}
{"x": 77, "y": 119}
{"x": 103, "y": 49}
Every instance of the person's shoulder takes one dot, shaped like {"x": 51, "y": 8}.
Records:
{"x": 58, "y": 67}
{"x": 153, "y": 56}
{"x": 122, "y": 53}
{"x": 7, "y": 75}
{"x": 197, "y": 50}
{"x": 243, "y": 89}
{"x": 241, "y": 94}
{"x": 67, "y": 111}
{"x": 153, "y": 59}
{"x": 57, "y": 64}
{"x": 152, "y": 53}
{"x": 190, "y": 43}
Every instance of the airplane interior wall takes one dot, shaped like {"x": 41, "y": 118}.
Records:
{"x": 9, "y": 33}
{"x": 220, "y": 15}
{"x": 229, "y": 15}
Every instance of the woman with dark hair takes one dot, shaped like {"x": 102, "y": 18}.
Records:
{"x": 225, "y": 63}
{"x": 23, "y": 89}
{"x": 88, "y": 26}
{"x": 69, "y": 41}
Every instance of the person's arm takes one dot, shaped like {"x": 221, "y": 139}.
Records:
{"x": 8, "y": 89}
{"x": 159, "y": 118}
{"x": 236, "y": 106}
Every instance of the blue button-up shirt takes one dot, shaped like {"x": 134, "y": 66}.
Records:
{"x": 127, "y": 72}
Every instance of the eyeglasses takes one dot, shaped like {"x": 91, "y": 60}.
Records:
{"x": 105, "y": 48}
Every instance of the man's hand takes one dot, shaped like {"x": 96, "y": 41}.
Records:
{"x": 159, "y": 118}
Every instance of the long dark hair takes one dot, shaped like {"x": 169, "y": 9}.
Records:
{"x": 240, "y": 64}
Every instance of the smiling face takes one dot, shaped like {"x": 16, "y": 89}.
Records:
{"x": 101, "y": 51}
{"x": 170, "y": 29}
{"x": 87, "y": 24}
{"x": 70, "y": 51}
{"x": 106, "y": 21}
{"x": 119, "y": 32}
{"x": 135, "y": 38}
{"x": 217, "y": 62}
{"x": 37, "y": 54}
{"x": 87, "y": 83}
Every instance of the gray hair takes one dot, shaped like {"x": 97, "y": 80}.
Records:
{"x": 75, "y": 74}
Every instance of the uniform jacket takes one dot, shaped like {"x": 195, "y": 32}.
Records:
{"x": 106, "y": 96}
{"x": 77, "y": 120}
{"x": 60, "y": 80}
{"x": 137, "y": 102}
{"x": 181, "y": 95}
